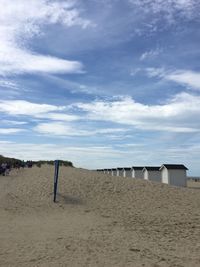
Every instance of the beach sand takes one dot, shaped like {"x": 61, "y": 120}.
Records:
{"x": 99, "y": 220}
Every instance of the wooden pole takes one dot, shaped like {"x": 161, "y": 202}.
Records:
{"x": 56, "y": 179}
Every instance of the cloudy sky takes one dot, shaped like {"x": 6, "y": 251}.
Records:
{"x": 102, "y": 83}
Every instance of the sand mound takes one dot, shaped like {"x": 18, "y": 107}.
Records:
{"x": 99, "y": 220}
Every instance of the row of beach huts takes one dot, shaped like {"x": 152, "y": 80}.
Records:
{"x": 172, "y": 174}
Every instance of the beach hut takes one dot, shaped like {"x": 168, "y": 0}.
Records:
{"x": 119, "y": 171}
{"x": 113, "y": 172}
{"x": 127, "y": 172}
{"x": 152, "y": 173}
{"x": 174, "y": 174}
{"x": 108, "y": 171}
{"x": 137, "y": 172}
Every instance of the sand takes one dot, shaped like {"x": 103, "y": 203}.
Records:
{"x": 99, "y": 220}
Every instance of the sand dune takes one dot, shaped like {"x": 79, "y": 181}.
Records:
{"x": 98, "y": 220}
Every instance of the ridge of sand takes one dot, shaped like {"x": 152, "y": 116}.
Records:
{"x": 99, "y": 220}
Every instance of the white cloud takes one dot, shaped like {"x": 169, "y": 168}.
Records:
{"x": 27, "y": 62}
{"x": 184, "y": 77}
{"x": 6, "y": 142}
{"x": 6, "y": 131}
{"x": 63, "y": 129}
{"x": 22, "y": 107}
{"x": 10, "y": 122}
{"x": 45, "y": 11}
{"x": 39, "y": 111}
{"x": 57, "y": 129}
{"x": 58, "y": 116}
{"x": 21, "y": 20}
{"x": 177, "y": 115}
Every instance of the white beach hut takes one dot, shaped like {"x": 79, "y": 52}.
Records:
{"x": 119, "y": 171}
{"x": 114, "y": 172}
{"x": 174, "y": 174}
{"x": 108, "y": 171}
{"x": 127, "y": 172}
{"x": 137, "y": 172}
{"x": 152, "y": 173}
{"x": 111, "y": 172}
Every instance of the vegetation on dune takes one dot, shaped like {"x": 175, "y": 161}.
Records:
{"x": 51, "y": 162}
{"x": 10, "y": 161}
{"x": 17, "y": 162}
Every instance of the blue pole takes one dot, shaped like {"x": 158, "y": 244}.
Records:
{"x": 56, "y": 179}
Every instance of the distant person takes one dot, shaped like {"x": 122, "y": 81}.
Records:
{"x": 23, "y": 164}
{"x": 3, "y": 168}
{"x": 30, "y": 164}
{"x": 7, "y": 171}
{"x": 17, "y": 165}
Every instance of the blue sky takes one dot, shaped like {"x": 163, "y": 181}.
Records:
{"x": 101, "y": 83}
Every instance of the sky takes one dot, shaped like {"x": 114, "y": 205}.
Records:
{"x": 102, "y": 83}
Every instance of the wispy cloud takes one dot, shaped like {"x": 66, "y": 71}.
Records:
{"x": 63, "y": 129}
{"x": 156, "y": 72}
{"x": 58, "y": 116}
{"x": 187, "y": 78}
{"x": 26, "y": 62}
{"x": 73, "y": 86}
{"x": 8, "y": 84}
{"x": 22, "y": 20}
{"x": 5, "y": 131}
{"x": 168, "y": 9}
{"x": 10, "y": 122}
{"x": 22, "y": 107}
{"x": 150, "y": 54}
{"x": 59, "y": 129}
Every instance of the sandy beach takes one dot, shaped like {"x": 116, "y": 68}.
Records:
{"x": 99, "y": 220}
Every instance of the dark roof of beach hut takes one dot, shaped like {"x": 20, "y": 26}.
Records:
{"x": 127, "y": 168}
{"x": 151, "y": 168}
{"x": 174, "y": 167}
{"x": 138, "y": 167}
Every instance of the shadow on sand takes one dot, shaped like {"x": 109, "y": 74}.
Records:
{"x": 69, "y": 199}
{"x": 193, "y": 187}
